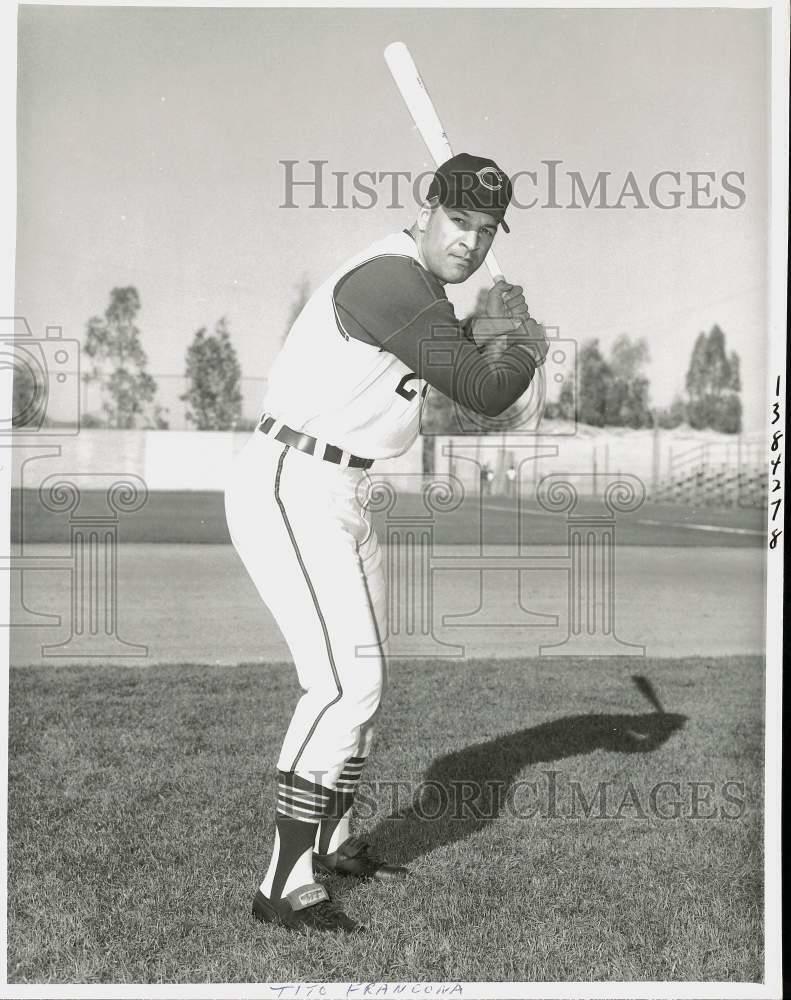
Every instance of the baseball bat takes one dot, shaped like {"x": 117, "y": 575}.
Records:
{"x": 420, "y": 106}
{"x": 646, "y": 688}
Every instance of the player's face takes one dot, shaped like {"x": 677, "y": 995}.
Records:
{"x": 455, "y": 242}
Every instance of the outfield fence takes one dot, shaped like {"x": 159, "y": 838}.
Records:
{"x": 672, "y": 466}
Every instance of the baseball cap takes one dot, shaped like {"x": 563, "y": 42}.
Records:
{"x": 474, "y": 183}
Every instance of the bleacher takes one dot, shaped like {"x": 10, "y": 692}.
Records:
{"x": 707, "y": 477}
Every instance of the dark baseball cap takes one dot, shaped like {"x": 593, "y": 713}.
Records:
{"x": 474, "y": 183}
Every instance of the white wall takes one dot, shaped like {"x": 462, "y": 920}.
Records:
{"x": 165, "y": 460}
{"x": 591, "y": 451}
{"x": 200, "y": 460}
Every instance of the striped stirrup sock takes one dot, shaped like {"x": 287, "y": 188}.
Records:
{"x": 300, "y": 807}
{"x": 299, "y": 798}
{"x": 335, "y": 825}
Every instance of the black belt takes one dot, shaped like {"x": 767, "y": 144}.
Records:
{"x": 306, "y": 443}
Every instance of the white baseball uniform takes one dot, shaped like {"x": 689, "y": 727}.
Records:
{"x": 340, "y": 389}
{"x": 347, "y": 386}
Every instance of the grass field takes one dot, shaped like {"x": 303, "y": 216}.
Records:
{"x": 199, "y": 517}
{"x": 141, "y": 803}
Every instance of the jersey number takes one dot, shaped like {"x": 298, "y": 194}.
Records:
{"x": 402, "y": 390}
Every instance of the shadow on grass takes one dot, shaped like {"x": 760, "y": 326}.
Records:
{"x": 465, "y": 790}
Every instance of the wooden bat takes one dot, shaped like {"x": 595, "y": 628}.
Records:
{"x": 411, "y": 87}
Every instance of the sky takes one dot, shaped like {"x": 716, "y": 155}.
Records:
{"x": 151, "y": 141}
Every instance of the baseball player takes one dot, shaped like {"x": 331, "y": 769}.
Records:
{"x": 345, "y": 391}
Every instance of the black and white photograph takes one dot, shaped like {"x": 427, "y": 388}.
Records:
{"x": 393, "y": 515}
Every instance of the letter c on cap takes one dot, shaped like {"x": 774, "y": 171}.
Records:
{"x": 484, "y": 175}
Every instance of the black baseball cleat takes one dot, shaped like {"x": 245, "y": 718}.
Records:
{"x": 308, "y": 906}
{"x": 353, "y": 857}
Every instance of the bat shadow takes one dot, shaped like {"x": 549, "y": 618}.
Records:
{"x": 464, "y": 791}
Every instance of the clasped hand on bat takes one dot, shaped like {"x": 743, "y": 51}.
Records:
{"x": 508, "y": 321}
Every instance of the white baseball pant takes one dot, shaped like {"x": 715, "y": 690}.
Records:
{"x": 299, "y": 526}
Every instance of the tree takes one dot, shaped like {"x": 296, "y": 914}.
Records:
{"x": 594, "y": 381}
{"x": 119, "y": 364}
{"x": 673, "y": 415}
{"x": 612, "y": 392}
{"x": 627, "y": 393}
{"x": 713, "y": 385}
{"x": 638, "y": 412}
{"x": 728, "y": 414}
{"x": 566, "y": 406}
{"x": 213, "y": 396}
{"x": 729, "y": 408}
{"x": 696, "y": 372}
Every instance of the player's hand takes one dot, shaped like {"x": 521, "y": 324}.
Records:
{"x": 506, "y": 301}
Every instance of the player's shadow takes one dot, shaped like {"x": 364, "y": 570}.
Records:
{"x": 465, "y": 790}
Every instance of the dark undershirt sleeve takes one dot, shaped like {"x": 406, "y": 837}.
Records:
{"x": 395, "y": 303}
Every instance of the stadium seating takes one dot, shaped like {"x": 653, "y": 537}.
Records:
{"x": 715, "y": 485}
